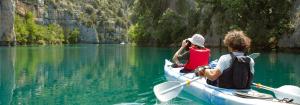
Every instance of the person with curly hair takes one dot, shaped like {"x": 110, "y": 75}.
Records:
{"x": 234, "y": 70}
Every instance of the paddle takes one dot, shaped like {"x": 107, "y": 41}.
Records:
{"x": 286, "y": 91}
{"x": 254, "y": 55}
{"x": 170, "y": 89}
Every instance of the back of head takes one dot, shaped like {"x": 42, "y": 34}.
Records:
{"x": 237, "y": 40}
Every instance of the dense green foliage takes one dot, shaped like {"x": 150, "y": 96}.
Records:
{"x": 73, "y": 36}
{"x": 169, "y": 21}
{"x": 263, "y": 20}
{"x": 154, "y": 23}
{"x": 29, "y": 32}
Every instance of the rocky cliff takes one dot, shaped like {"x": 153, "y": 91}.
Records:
{"x": 107, "y": 21}
{"x": 214, "y": 21}
{"x": 217, "y": 21}
{"x": 292, "y": 40}
{"x": 7, "y": 35}
{"x": 99, "y": 21}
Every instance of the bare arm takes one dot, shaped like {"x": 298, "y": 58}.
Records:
{"x": 175, "y": 57}
{"x": 211, "y": 74}
{"x": 178, "y": 52}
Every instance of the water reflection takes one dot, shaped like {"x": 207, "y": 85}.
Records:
{"x": 74, "y": 74}
{"x": 7, "y": 75}
{"x": 107, "y": 74}
{"x": 278, "y": 69}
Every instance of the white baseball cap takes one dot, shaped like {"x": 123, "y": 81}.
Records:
{"x": 197, "y": 39}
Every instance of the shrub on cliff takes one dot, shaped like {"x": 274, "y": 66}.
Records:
{"x": 20, "y": 30}
{"x": 73, "y": 36}
{"x": 29, "y": 32}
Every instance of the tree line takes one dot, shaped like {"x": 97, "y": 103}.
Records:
{"x": 167, "y": 22}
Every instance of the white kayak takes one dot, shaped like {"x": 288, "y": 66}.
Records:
{"x": 215, "y": 95}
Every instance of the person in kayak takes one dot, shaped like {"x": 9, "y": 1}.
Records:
{"x": 196, "y": 55}
{"x": 233, "y": 70}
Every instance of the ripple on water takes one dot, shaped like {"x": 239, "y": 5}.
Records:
{"x": 159, "y": 80}
{"x": 130, "y": 104}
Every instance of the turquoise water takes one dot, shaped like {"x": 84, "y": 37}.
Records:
{"x": 109, "y": 74}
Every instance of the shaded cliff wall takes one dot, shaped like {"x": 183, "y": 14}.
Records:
{"x": 7, "y": 35}
{"x": 292, "y": 40}
{"x": 210, "y": 21}
{"x": 168, "y": 22}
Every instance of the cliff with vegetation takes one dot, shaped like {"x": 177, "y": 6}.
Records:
{"x": 270, "y": 23}
{"x": 292, "y": 40}
{"x": 167, "y": 22}
{"x": 71, "y": 21}
{"x": 7, "y": 35}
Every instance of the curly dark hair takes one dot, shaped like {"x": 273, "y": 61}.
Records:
{"x": 237, "y": 40}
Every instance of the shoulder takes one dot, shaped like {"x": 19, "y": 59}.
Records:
{"x": 224, "y": 62}
{"x": 252, "y": 65}
{"x": 249, "y": 59}
{"x": 252, "y": 61}
{"x": 225, "y": 57}
{"x": 199, "y": 49}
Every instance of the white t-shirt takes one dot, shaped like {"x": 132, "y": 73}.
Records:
{"x": 225, "y": 61}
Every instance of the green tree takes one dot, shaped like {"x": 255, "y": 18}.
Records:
{"x": 74, "y": 35}
{"x": 21, "y": 30}
{"x": 31, "y": 27}
{"x": 55, "y": 33}
{"x": 163, "y": 23}
{"x": 261, "y": 19}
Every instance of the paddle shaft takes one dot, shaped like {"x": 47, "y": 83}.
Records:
{"x": 264, "y": 87}
{"x": 181, "y": 84}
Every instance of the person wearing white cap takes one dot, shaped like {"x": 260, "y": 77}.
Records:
{"x": 197, "y": 55}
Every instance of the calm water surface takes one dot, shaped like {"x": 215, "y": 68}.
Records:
{"x": 109, "y": 74}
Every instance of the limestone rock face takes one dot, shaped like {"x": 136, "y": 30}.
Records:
{"x": 103, "y": 20}
{"x": 95, "y": 25}
{"x": 215, "y": 35}
{"x": 7, "y": 35}
{"x": 88, "y": 35}
{"x": 292, "y": 40}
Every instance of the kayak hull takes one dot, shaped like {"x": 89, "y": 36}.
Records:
{"x": 211, "y": 94}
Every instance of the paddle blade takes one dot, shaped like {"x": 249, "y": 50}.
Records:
{"x": 288, "y": 91}
{"x": 158, "y": 89}
{"x": 254, "y": 55}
